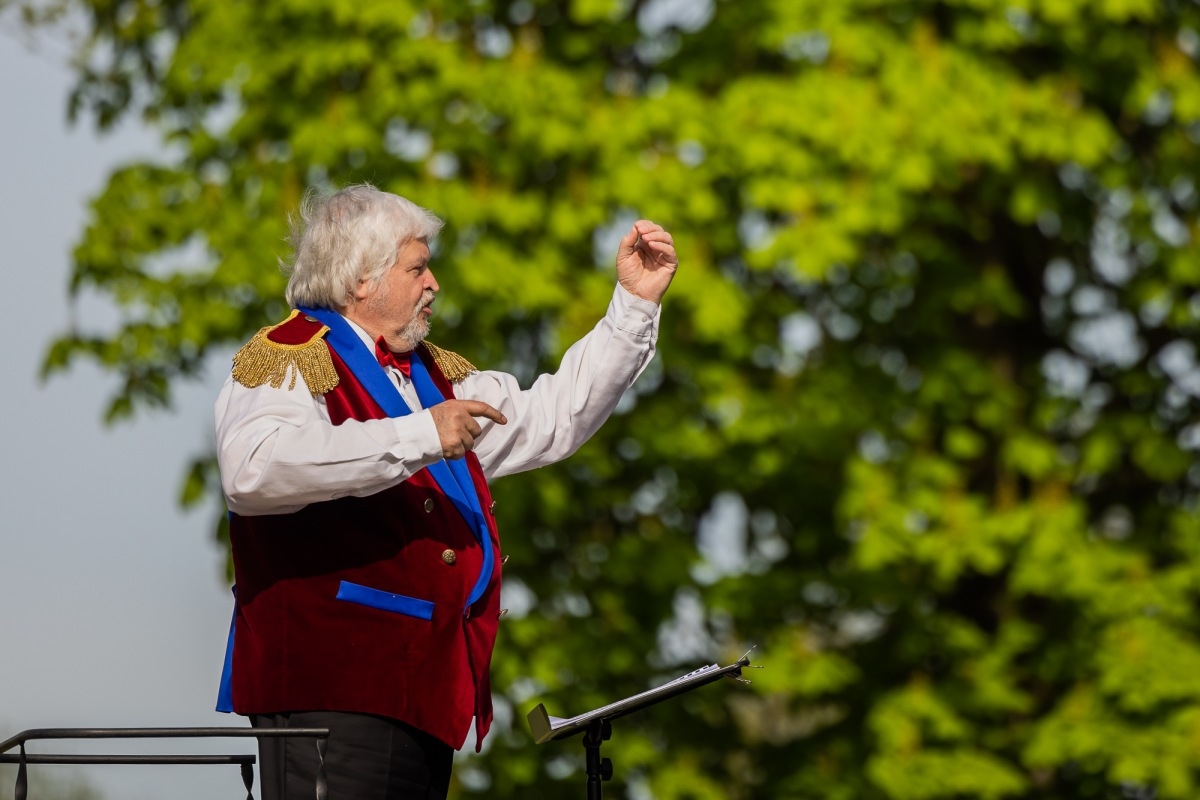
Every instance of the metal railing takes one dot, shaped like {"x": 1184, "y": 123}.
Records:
{"x": 245, "y": 760}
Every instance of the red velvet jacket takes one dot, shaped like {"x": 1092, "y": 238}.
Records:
{"x": 311, "y": 634}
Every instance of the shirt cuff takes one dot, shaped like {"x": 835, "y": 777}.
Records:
{"x": 417, "y": 438}
{"x": 634, "y": 315}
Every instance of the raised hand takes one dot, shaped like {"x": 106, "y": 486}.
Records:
{"x": 646, "y": 260}
{"x": 456, "y": 425}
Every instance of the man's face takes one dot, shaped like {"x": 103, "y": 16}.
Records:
{"x": 398, "y": 306}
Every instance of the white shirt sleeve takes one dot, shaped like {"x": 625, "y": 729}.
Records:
{"x": 554, "y": 417}
{"x": 278, "y": 451}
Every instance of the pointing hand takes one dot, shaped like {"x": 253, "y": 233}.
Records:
{"x": 456, "y": 425}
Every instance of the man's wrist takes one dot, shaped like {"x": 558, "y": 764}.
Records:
{"x": 417, "y": 438}
{"x": 634, "y": 314}
{"x": 635, "y": 300}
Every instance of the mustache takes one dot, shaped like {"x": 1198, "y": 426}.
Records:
{"x": 427, "y": 299}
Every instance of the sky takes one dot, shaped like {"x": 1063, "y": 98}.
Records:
{"x": 115, "y": 608}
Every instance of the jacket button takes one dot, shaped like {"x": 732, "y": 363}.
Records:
{"x": 449, "y": 557}
{"x": 503, "y": 560}
{"x": 428, "y": 505}
{"x": 503, "y": 611}
{"x": 310, "y": 318}
{"x": 492, "y": 508}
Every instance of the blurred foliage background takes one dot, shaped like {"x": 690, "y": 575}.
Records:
{"x": 45, "y": 784}
{"x": 923, "y": 424}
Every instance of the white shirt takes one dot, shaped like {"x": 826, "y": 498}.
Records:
{"x": 278, "y": 451}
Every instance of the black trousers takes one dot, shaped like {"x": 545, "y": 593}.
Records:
{"x": 367, "y": 758}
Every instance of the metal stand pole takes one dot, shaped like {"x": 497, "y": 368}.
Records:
{"x": 598, "y": 769}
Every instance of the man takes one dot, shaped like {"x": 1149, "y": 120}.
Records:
{"x": 354, "y": 458}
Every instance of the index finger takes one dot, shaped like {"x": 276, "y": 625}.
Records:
{"x": 478, "y": 408}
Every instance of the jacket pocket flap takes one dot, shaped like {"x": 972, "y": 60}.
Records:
{"x": 385, "y": 601}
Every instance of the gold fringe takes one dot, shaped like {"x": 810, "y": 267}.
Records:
{"x": 452, "y": 365}
{"x": 262, "y": 361}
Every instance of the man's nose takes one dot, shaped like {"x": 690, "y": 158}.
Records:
{"x": 431, "y": 282}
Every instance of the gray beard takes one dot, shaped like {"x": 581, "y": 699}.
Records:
{"x": 418, "y": 327}
{"x": 416, "y": 330}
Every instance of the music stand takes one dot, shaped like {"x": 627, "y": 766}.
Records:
{"x": 596, "y": 725}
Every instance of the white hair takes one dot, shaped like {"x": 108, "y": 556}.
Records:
{"x": 353, "y": 235}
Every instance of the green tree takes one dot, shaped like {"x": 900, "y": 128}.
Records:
{"x": 923, "y": 424}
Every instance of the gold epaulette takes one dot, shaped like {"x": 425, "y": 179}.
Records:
{"x": 452, "y": 365}
{"x": 293, "y": 345}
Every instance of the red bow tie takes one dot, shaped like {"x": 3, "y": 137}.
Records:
{"x": 389, "y": 359}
